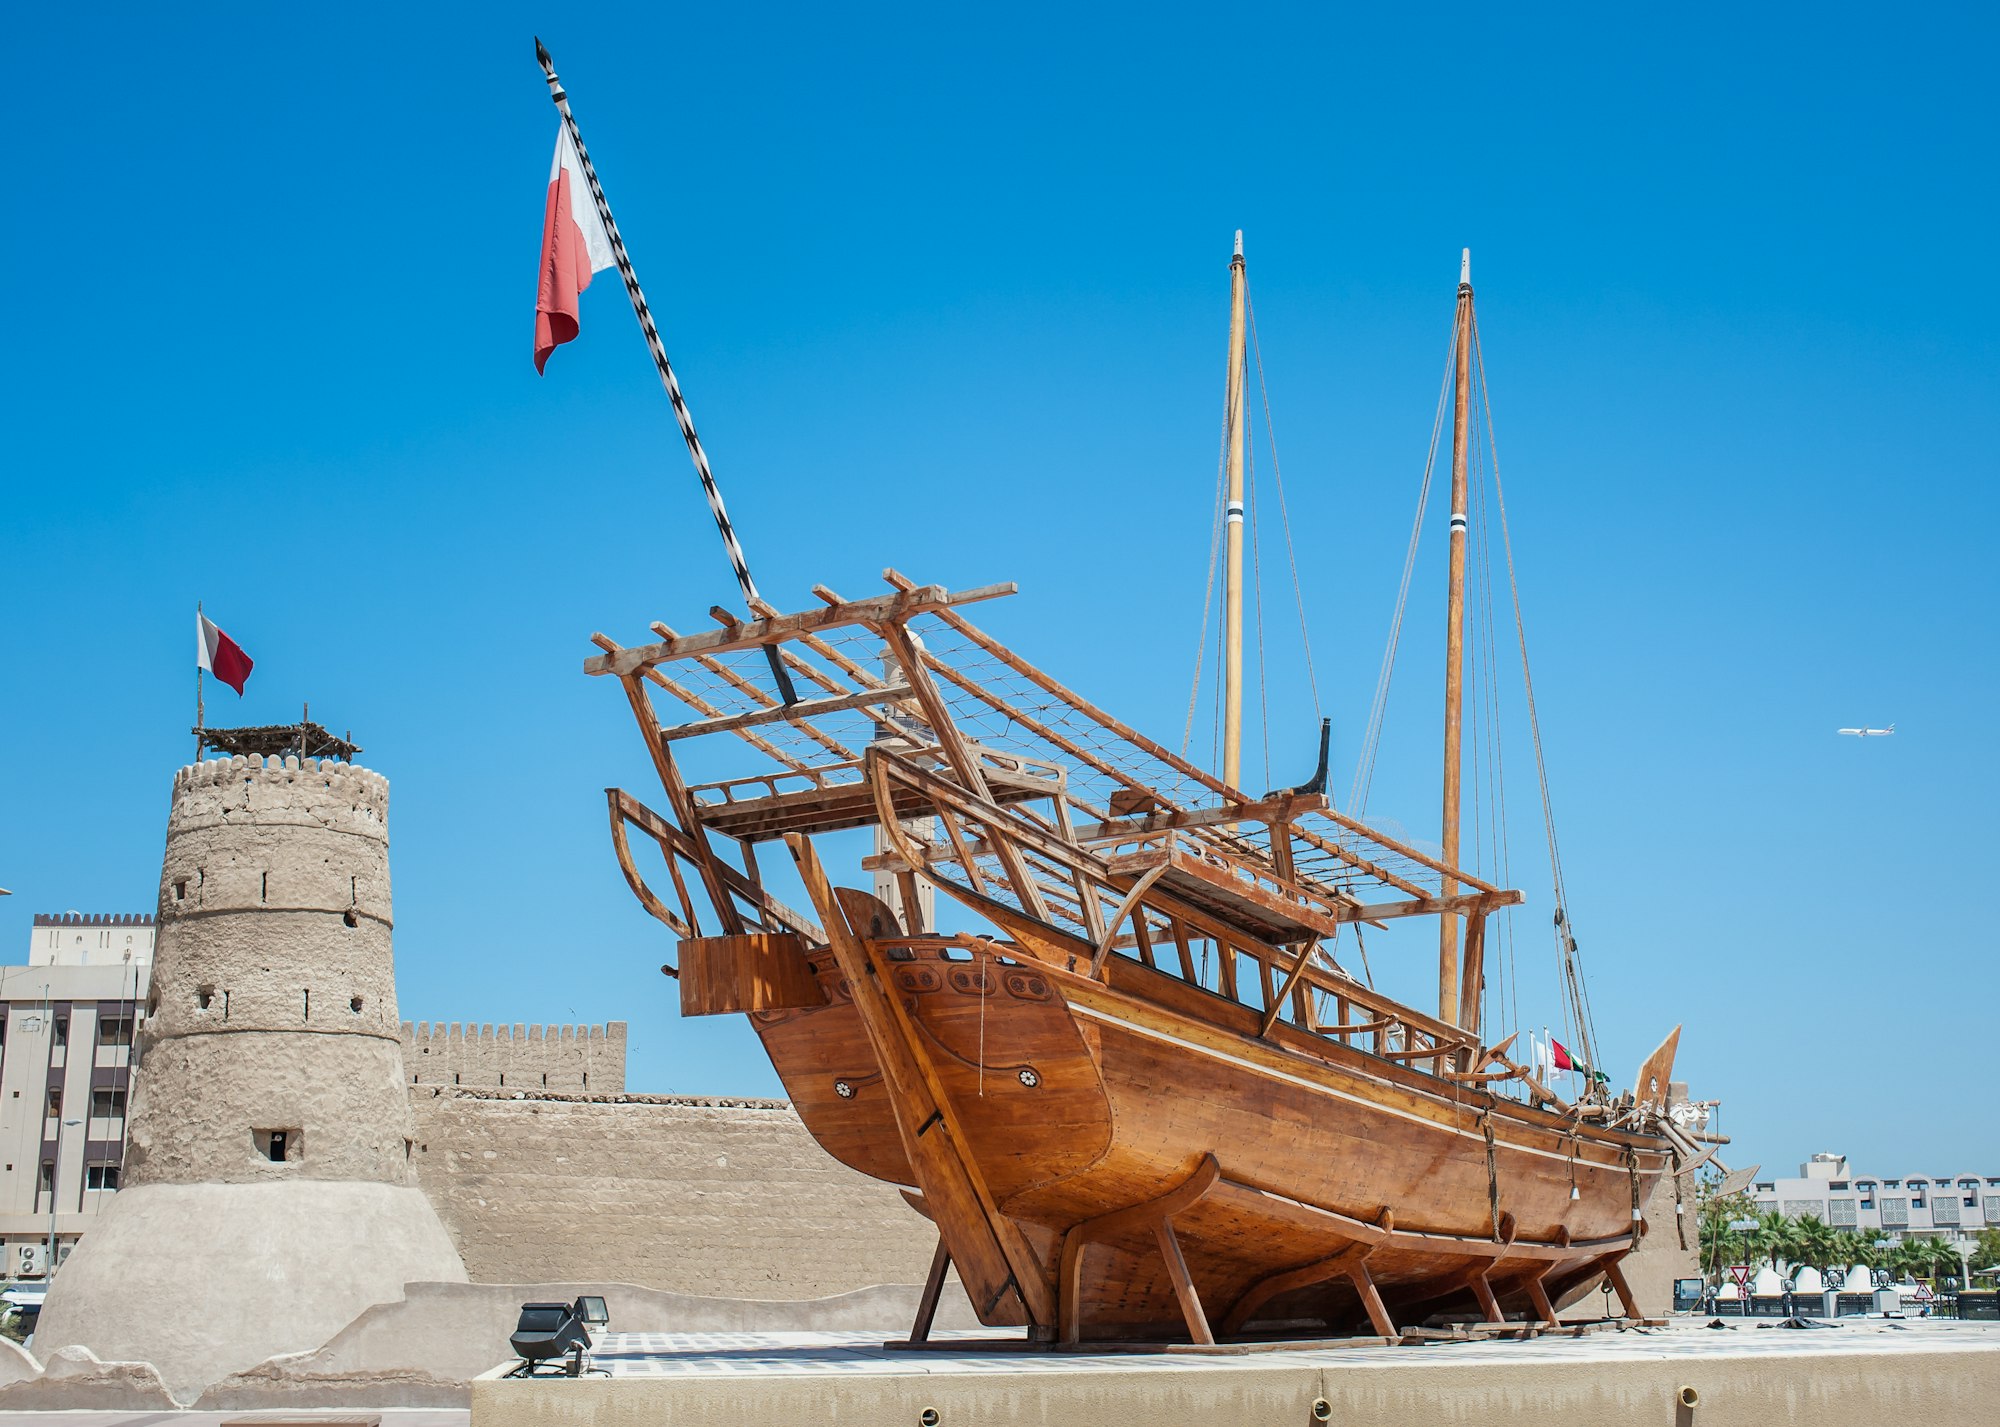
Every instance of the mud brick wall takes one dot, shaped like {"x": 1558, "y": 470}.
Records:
{"x": 571, "y": 1060}
{"x": 724, "y": 1198}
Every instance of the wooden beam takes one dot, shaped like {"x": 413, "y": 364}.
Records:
{"x": 784, "y": 713}
{"x": 705, "y": 861}
{"x": 1125, "y": 909}
{"x": 993, "y": 1257}
{"x": 672, "y": 839}
{"x": 927, "y": 1305}
{"x": 622, "y": 846}
{"x": 959, "y": 752}
{"x": 1183, "y": 1282}
{"x": 1470, "y": 903}
{"x": 898, "y": 606}
{"x": 1265, "y": 810}
{"x": 1069, "y": 1281}
{"x": 1278, "y": 1284}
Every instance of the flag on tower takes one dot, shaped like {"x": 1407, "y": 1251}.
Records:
{"x": 574, "y": 246}
{"x": 219, "y": 654}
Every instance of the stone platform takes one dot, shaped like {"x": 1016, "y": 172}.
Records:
{"x": 1863, "y": 1373}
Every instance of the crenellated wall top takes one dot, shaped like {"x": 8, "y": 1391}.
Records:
{"x": 281, "y": 789}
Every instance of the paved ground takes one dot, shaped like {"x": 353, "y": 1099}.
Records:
{"x": 853, "y": 1354}
{"x": 391, "y": 1417}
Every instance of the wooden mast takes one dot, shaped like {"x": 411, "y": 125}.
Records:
{"x": 1454, "y": 667}
{"x": 1232, "y": 580}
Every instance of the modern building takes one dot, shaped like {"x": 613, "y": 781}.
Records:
{"x": 1893, "y": 1206}
{"x": 66, "y": 1024}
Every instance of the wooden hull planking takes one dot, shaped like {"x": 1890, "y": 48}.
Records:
{"x": 1087, "y": 1099}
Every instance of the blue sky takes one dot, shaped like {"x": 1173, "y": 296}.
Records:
{"x": 272, "y": 310}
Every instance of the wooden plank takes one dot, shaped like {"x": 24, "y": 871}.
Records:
{"x": 901, "y": 605}
{"x": 784, "y": 713}
{"x": 759, "y": 971}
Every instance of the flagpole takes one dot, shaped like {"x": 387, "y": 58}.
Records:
{"x": 200, "y": 721}
{"x": 667, "y": 379}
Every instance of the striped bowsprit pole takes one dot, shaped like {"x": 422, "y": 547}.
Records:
{"x": 730, "y": 544}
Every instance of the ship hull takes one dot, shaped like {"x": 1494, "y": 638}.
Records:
{"x": 1122, "y": 1122}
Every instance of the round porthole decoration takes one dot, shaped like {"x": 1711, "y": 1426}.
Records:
{"x": 1029, "y": 1078}
{"x": 843, "y": 1089}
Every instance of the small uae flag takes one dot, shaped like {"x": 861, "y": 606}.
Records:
{"x": 574, "y": 246}
{"x": 1558, "y": 1056}
{"x": 219, "y": 654}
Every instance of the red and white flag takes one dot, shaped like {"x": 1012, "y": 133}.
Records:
{"x": 1558, "y": 1056}
{"x": 574, "y": 246}
{"x": 219, "y": 654}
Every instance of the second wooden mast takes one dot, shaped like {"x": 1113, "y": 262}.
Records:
{"x": 1232, "y": 572}
{"x": 1449, "y": 989}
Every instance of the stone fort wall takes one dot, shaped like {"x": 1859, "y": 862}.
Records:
{"x": 579, "y": 1060}
{"x": 725, "y": 1198}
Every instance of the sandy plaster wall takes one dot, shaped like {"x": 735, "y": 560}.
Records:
{"x": 197, "y": 1100}
{"x": 727, "y": 1202}
{"x": 566, "y": 1059}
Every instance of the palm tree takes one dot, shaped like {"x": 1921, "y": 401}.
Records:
{"x": 1942, "y": 1258}
{"x": 1915, "y": 1258}
{"x": 1815, "y": 1241}
{"x": 1775, "y": 1236}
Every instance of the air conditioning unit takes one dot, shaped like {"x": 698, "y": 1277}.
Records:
{"x": 30, "y": 1260}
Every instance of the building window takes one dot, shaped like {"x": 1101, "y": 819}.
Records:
{"x": 1843, "y": 1213}
{"x": 278, "y": 1146}
{"x": 1838, "y": 1184}
{"x": 114, "y": 1030}
{"x": 1798, "y": 1208}
{"x": 101, "y": 1176}
{"x": 1993, "y": 1208}
{"x": 107, "y": 1103}
{"x": 1867, "y": 1196}
{"x": 1895, "y": 1211}
{"x": 55, "y": 1102}
{"x": 62, "y": 1031}
{"x": 1944, "y": 1209}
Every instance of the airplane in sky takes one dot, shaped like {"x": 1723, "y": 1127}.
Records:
{"x": 1868, "y": 732}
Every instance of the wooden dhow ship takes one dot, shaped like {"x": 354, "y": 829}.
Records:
{"x": 1124, "y": 1075}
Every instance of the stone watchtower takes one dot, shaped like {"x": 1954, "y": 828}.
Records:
{"x": 269, "y": 1192}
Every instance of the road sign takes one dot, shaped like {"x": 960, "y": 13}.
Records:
{"x": 1741, "y": 1273}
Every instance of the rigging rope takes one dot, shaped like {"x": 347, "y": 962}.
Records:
{"x": 1257, "y": 605}
{"x": 1566, "y": 942}
{"x": 1214, "y": 549}
{"x": 1364, "y": 768}
{"x": 1284, "y": 510}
